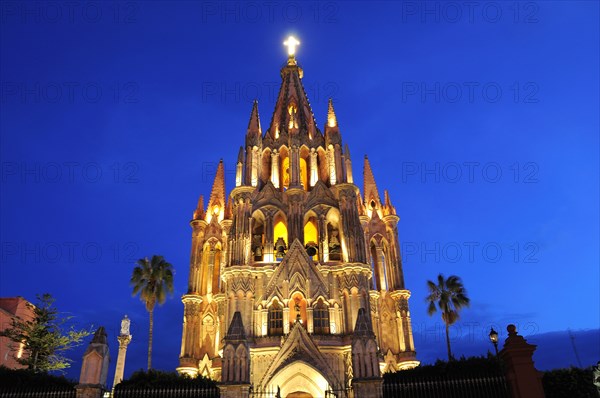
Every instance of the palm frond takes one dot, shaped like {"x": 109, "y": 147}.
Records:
{"x": 447, "y": 295}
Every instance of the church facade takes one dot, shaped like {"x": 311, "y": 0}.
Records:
{"x": 296, "y": 280}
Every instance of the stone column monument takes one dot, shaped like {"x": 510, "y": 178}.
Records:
{"x": 124, "y": 340}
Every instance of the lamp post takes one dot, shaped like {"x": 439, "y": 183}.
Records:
{"x": 494, "y": 339}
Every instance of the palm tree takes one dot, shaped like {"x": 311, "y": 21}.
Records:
{"x": 152, "y": 279}
{"x": 450, "y": 296}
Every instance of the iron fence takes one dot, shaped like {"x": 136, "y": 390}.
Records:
{"x": 172, "y": 392}
{"x": 447, "y": 387}
{"x": 46, "y": 392}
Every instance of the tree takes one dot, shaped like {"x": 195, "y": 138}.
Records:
{"x": 450, "y": 296}
{"x": 45, "y": 337}
{"x": 152, "y": 279}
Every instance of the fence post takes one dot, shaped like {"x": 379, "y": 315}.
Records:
{"x": 522, "y": 376}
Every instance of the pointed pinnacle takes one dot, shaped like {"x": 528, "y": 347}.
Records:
{"x": 371, "y": 193}
{"x": 254, "y": 123}
{"x": 331, "y": 118}
{"x": 386, "y": 198}
{"x": 217, "y": 194}
{"x": 199, "y": 212}
{"x": 240, "y": 158}
{"x": 228, "y": 210}
{"x": 346, "y": 151}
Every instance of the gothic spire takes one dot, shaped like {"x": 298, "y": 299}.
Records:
{"x": 371, "y": 194}
{"x": 332, "y": 131}
{"x": 254, "y": 133}
{"x": 293, "y": 118}
{"x": 228, "y": 210}
{"x": 387, "y": 206}
{"x": 348, "y": 165}
{"x": 199, "y": 212}
{"x": 216, "y": 204}
{"x": 331, "y": 118}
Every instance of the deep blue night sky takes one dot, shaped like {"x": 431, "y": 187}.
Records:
{"x": 482, "y": 122}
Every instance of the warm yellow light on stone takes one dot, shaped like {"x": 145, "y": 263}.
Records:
{"x": 280, "y": 231}
{"x": 310, "y": 233}
{"x": 291, "y": 44}
{"x": 191, "y": 372}
{"x": 331, "y": 121}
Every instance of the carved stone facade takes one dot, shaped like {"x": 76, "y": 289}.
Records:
{"x": 294, "y": 251}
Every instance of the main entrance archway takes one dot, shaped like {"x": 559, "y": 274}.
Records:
{"x": 300, "y": 380}
{"x": 299, "y": 394}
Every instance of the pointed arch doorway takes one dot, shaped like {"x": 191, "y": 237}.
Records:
{"x": 300, "y": 380}
{"x": 299, "y": 394}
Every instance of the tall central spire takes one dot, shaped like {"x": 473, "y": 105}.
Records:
{"x": 293, "y": 120}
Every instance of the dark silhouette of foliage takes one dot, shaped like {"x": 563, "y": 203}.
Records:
{"x": 449, "y": 296}
{"x": 465, "y": 367}
{"x": 569, "y": 383}
{"x": 17, "y": 378}
{"x": 154, "y": 379}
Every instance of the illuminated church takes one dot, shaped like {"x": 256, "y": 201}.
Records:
{"x": 296, "y": 280}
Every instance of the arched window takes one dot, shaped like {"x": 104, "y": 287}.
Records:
{"x": 280, "y": 237}
{"x": 257, "y": 243}
{"x": 321, "y": 318}
{"x": 303, "y": 174}
{"x": 275, "y": 319}
{"x": 311, "y": 237}
{"x": 335, "y": 247}
{"x": 285, "y": 173}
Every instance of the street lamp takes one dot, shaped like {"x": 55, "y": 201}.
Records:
{"x": 494, "y": 339}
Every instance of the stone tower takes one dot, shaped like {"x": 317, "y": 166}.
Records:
{"x": 295, "y": 253}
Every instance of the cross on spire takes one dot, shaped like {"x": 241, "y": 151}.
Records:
{"x": 291, "y": 44}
